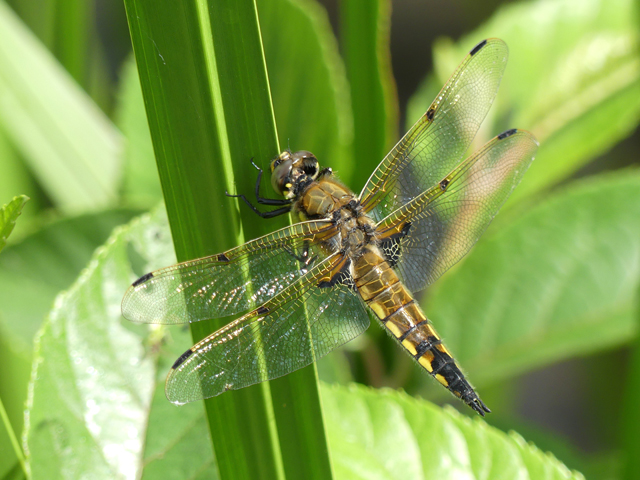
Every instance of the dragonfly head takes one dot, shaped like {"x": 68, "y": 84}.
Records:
{"x": 291, "y": 169}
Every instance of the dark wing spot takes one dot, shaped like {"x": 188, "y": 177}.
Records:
{"x": 506, "y": 134}
{"x": 343, "y": 277}
{"x": 262, "y": 310}
{"x": 182, "y": 358}
{"x": 431, "y": 113}
{"x": 444, "y": 184}
{"x": 392, "y": 246}
{"x": 223, "y": 258}
{"x": 142, "y": 279}
{"x": 477, "y": 48}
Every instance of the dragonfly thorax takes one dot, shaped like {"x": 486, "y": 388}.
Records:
{"x": 328, "y": 199}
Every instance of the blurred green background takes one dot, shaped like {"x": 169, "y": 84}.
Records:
{"x": 542, "y": 314}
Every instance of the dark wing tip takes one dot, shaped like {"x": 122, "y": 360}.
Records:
{"x": 507, "y": 133}
{"x": 182, "y": 358}
{"x": 478, "y": 47}
{"x": 142, "y": 279}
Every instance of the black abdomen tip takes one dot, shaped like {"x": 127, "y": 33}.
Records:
{"x": 182, "y": 358}
{"x": 142, "y": 279}
{"x": 477, "y": 48}
{"x": 506, "y": 134}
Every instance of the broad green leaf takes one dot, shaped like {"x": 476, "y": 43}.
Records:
{"x": 93, "y": 380}
{"x": 364, "y": 31}
{"x": 308, "y": 81}
{"x": 558, "y": 282}
{"x": 177, "y": 443}
{"x": 573, "y": 80}
{"x": 384, "y": 434}
{"x": 98, "y": 388}
{"x": 32, "y": 272}
{"x": 8, "y": 216}
{"x": 70, "y": 145}
{"x": 603, "y": 463}
{"x": 140, "y": 182}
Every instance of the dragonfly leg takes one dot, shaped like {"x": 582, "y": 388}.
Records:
{"x": 262, "y": 200}
{"x": 305, "y": 260}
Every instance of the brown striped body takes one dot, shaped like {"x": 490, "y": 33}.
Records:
{"x": 396, "y": 308}
{"x": 378, "y": 284}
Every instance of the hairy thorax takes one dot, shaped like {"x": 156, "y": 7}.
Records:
{"x": 329, "y": 199}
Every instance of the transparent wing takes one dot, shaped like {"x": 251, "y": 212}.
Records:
{"x": 436, "y": 229}
{"x": 436, "y": 143}
{"x": 229, "y": 283}
{"x": 273, "y": 340}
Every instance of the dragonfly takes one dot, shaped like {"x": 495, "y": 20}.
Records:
{"x": 302, "y": 291}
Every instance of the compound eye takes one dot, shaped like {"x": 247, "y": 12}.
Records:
{"x": 281, "y": 175}
{"x": 307, "y": 162}
{"x": 286, "y": 155}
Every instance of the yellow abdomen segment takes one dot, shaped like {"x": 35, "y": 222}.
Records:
{"x": 396, "y": 308}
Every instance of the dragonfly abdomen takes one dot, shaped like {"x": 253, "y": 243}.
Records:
{"x": 393, "y": 304}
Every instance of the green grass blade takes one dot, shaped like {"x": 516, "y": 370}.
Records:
{"x": 38, "y": 15}
{"x": 310, "y": 96}
{"x": 384, "y": 434}
{"x": 8, "y": 216}
{"x": 630, "y": 418}
{"x": 9, "y": 443}
{"x": 77, "y": 45}
{"x": 222, "y": 79}
{"x": 70, "y": 145}
{"x": 180, "y": 69}
{"x": 140, "y": 182}
{"x": 364, "y": 30}
{"x": 308, "y": 82}
{"x": 73, "y": 27}
{"x": 554, "y": 284}
{"x": 300, "y": 420}
{"x": 64, "y": 27}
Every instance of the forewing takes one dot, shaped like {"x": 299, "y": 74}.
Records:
{"x": 273, "y": 340}
{"x": 228, "y": 283}
{"x": 437, "y": 142}
{"x": 442, "y": 224}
